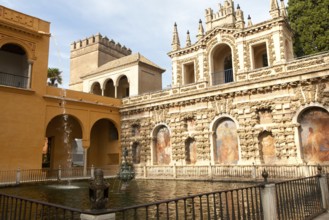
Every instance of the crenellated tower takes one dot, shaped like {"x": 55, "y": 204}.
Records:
{"x": 224, "y": 17}
{"x": 89, "y": 54}
{"x": 228, "y": 47}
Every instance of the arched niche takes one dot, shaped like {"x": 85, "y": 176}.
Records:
{"x": 314, "y": 135}
{"x": 136, "y": 153}
{"x": 225, "y": 140}
{"x": 162, "y": 151}
{"x": 190, "y": 151}
{"x": 267, "y": 147}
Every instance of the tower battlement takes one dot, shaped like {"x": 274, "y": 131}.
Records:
{"x": 224, "y": 16}
{"x": 99, "y": 39}
{"x": 90, "y": 53}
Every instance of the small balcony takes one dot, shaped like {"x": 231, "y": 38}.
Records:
{"x": 225, "y": 76}
{"x": 8, "y": 79}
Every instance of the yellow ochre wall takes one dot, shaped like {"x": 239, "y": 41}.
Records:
{"x": 25, "y": 114}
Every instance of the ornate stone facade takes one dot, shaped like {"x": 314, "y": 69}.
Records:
{"x": 243, "y": 106}
{"x": 264, "y": 99}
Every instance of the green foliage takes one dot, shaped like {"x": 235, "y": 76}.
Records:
{"x": 54, "y": 74}
{"x": 309, "y": 19}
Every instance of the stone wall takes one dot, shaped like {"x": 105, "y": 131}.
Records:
{"x": 271, "y": 105}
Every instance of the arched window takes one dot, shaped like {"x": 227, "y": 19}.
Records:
{"x": 161, "y": 146}
{"x": 109, "y": 90}
{"x": 96, "y": 89}
{"x": 225, "y": 142}
{"x": 123, "y": 87}
{"x": 14, "y": 66}
{"x": 314, "y": 135}
{"x": 222, "y": 66}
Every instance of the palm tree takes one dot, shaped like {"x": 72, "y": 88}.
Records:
{"x": 54, "y": 74}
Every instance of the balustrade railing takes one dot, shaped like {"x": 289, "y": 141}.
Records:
{"x": 205, "y": 172}
{"x": 294, "y": 199}
{"x": 15, "y": 207}
{"x": 299, "y": 198}
{"x": 243, "y": 203}
{"x": 227, "y": 171}
{"x": 13, "y": 80}
{"x": 38, "y": 175}
{"x": 225, "y": 76}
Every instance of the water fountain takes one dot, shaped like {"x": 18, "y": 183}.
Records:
{"x": 67, "y": 137}
{"x": 98, "y": 191}
{"x": 67, "y": 130}
{"x": 126, "y": 172}
{"x": 67, "y": 140}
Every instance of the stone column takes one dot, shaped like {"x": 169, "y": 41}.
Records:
{"x": 115, "y": 91}
{"x": 324, "y": 191}
{"x": 85, "y": 161}
{"x": 254, "y": 171}
{"x": 269, "y": 202}
{"x": 18, "y": 176}
{"x": 29, "y": 74}
{"x": 210, "y": 171}
{"x": 59, "y": 173}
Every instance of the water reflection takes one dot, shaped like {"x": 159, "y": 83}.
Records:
{"x": 138, "y": 192}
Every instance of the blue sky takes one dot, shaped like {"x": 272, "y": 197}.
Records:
{"x": 144, "y": 26}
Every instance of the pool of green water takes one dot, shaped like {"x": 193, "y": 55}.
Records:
{"x": 76, "y": 195}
